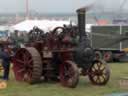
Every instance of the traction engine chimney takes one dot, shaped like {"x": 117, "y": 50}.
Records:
{"x": 81, "y": 23}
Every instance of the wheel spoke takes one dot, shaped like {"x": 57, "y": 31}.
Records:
{"x": 94, "y": 77}
{"x": 99, "y": 65}
{"x": 24, "y": 58}
{"x": 95, "y": 66}
{"x": 101, "y": 79}
{"x": 68, "y": 72}
{"x": 93, "y": 69}
{"x": 105, "y": 71}
{"x": 102, "y": 68}
{"x": 21, "y": 70}
{"x": 104, "y": 77}
{"x": 71, "y": 72}
{"x": 98, "y": 79}
{"x": 19, "y": 61}
{"x": 30, "y": 61}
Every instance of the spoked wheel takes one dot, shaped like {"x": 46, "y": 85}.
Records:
{"x": 69, "y": 74}
{"x": 99, "y": 73}
{"x": 27, "y": 65}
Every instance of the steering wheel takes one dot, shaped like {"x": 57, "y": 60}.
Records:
{"x": 58, "y": 30}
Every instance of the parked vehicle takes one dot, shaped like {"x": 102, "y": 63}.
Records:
{"x": 59, "y": 55}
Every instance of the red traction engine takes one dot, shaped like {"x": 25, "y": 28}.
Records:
{"x": 48, "y": 56}
{"x": 58, "y": 54}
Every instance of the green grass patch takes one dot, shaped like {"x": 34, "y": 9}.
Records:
{"x": 84, "y": 88}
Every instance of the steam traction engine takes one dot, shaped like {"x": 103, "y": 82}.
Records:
{"x": 49, "y": 57}
{"x": 57, "y": 55}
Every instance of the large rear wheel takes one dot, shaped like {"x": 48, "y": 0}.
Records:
{"x": 27, "y": 65}
{"x": 69, "y": 74}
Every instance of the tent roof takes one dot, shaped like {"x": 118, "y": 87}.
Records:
{"x": 45, "y": 25}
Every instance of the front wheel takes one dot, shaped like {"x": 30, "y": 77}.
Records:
{"x": 69, "y": 74}
{"x": 99, "y": 73}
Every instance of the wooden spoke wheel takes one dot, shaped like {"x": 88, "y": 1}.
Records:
{"x": 99, "y": 73}
{"x": 69, "y": 74}
{"x": 27, "y": 65}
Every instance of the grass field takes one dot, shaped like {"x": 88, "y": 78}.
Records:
{"x": 84, "y": 88}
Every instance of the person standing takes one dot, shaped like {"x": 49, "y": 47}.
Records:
{"x": 4, "y": 55}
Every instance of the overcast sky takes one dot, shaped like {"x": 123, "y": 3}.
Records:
{"x": 58, "y": 6}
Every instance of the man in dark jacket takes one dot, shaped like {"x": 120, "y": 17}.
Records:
{"x": 4, "y": 55}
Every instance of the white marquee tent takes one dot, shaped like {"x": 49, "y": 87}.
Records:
{"x": 46, "y": 25}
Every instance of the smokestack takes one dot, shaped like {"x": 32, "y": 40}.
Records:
{"x": 27, "y": 9}
{"x": 81, "y": 22}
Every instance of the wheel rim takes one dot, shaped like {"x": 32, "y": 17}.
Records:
{"x": 69, "y": 74}
{"x": 99, "y": 73}
{"x": 24, "y": 63}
